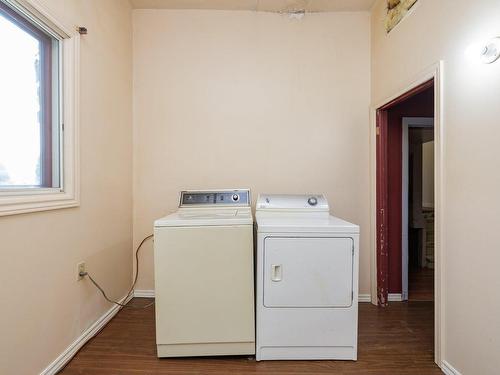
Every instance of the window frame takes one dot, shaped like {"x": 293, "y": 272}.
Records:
{"x": 14, "y": 200}
{"x": 47, "y": 153}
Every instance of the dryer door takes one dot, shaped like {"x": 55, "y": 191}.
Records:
{"x": 308, "y": 272}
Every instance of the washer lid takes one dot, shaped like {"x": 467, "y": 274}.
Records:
{"x": 188, "y": 217}
{"x": 289, "y": 202}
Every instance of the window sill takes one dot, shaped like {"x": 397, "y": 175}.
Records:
{"x": 38, "y": 200}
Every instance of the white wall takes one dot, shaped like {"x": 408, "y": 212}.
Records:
{"x": 44, "y": 309}
{"x": 244, "y": 99}
{"x": 442, "y": 30}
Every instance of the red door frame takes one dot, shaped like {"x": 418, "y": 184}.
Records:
{"x": 382, "y": 228}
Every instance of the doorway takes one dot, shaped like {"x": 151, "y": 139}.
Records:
{"x": 416, "y": 103}
{"x": 387, "y": 193}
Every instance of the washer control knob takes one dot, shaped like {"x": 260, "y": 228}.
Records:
{"x": 235, "y": 197}
{"x": 313, "y": 201}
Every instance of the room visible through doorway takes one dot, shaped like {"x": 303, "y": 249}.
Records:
{"x": 417, "y": 209}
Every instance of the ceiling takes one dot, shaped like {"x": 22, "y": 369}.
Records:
{"x": 258, "y": 5}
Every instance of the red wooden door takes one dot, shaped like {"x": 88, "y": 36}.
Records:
{"x": 382, "y": 221}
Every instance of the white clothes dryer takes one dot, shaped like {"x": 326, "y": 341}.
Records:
{"x": 307, "y": 280}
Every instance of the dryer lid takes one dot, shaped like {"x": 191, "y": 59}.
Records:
{"x": 292, "y": 202}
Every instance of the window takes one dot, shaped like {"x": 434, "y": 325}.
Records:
{"x": 37, "y": 111}
{"x": 29, "y": 108}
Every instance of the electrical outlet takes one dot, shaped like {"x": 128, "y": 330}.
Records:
{"x": 80, "y": 267}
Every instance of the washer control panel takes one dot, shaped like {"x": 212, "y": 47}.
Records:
{"x": 235, "y": 197}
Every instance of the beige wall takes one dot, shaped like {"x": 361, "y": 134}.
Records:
{"x": 44, "y": 309}
{"x": 293, "y": 96}
{"x": 442, "y": 30}
{"x": 244, "y": 99}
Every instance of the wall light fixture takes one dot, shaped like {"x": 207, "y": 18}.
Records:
{"x": 490, "y": 51}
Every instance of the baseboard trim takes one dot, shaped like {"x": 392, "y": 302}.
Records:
{"x": 394, "y": 297}
{"x": 71, "y": 350}
{"x": 449, "y": 369}
{"x": 364, "y": 298}
{"x": 145, "y": 293}
{"x": 150, "y": 293}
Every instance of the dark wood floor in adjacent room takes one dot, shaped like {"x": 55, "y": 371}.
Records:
{"x": 394, "y": 340}
{"x": 421, "y": 284}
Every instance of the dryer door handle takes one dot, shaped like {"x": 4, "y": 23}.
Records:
{"x": 276, "y": 272}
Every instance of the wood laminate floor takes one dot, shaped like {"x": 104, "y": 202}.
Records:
{"x": 397, "y": 339}
{"x": 421, "y": 284}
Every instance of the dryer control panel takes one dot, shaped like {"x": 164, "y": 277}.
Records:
{"x": 236, "y": 197}
{"x": 292, "y": 202}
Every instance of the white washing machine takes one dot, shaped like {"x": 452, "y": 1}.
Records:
{"x": 204, "y": 276}
{"x": 307, "y": 280}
